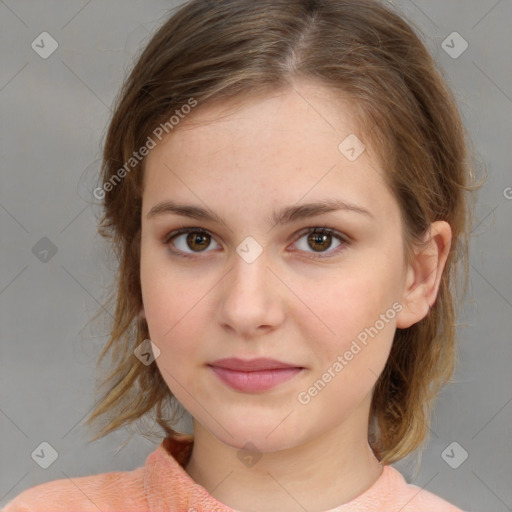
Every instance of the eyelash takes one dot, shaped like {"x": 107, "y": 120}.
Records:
{"x": 316, "y": 230}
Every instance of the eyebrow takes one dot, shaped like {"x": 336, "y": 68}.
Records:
{"x": 285, "y": 215}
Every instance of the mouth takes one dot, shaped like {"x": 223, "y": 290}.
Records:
{"x": 254, "y": 375}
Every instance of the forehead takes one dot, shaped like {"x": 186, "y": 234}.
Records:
{"x": 266, "y": 150}
{"x": 283, "y": 113}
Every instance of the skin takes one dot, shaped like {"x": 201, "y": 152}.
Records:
{"x": 243, "y": 161}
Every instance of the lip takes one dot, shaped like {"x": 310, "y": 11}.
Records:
{"x": 253, "y": 375}
{"x": 251, "y": 365}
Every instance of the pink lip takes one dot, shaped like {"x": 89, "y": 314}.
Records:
{"x": 251, "y": 376}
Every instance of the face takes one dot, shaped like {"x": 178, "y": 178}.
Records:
{"x": 323, "y": 305}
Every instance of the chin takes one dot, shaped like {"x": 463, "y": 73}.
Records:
{"x": 265, "y": 438}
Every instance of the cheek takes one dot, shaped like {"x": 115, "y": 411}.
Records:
{"x": 357, "y": 326}
{"x": 342, "y": 307}
{"x": 167, "y": 295}
{"x": 170, "y": 313}
{"x": 349, "y": 361}
{"x": 175, "y": 306}
{"x": 172, "y": 318}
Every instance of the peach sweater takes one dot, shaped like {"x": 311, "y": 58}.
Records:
{"x": 162, "y": 484}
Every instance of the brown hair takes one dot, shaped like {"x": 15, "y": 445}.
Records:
{"x": 222, "y": 50}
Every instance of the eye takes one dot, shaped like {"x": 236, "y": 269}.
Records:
{"x": 188, "y": 238}
{"x": 319, "y": 240}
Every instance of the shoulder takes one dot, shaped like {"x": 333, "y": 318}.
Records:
{"x": 413, "y": 498}
{"x": 120, "y": 490}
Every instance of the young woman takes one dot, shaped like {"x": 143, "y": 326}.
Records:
{"x": 284, "y": 183}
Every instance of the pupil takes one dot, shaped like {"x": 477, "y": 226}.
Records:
{"x": 315, "y": 237}
{"x": 197, "y": 237}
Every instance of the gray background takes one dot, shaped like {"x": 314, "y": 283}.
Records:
{"x": 54, "y": 114}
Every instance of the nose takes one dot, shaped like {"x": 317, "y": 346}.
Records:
{"x": 250, "y": 298}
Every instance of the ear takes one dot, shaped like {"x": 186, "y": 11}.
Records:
{"x": 424, "y": 275}
{"x": 142, "y": 313}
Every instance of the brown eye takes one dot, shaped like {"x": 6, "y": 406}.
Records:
{"x": 320, "y": 240}
{"x": 187, "y": 242}
{"x": 199, "y": 241}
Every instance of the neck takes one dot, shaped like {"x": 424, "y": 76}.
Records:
{"x": 323, "y": 473}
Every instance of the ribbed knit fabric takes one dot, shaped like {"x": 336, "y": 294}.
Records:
{"x": 162, "y": 484}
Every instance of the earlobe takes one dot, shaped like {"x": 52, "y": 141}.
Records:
{"x": 424, "y": 275}
{"x": 142, "y": 313}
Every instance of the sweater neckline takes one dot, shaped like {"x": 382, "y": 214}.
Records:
{"x": 169, "y": 487}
